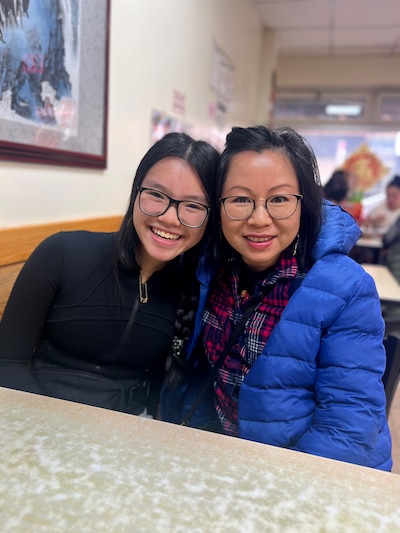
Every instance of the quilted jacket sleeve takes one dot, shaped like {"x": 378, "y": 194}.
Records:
{"x": 317, "y": 387}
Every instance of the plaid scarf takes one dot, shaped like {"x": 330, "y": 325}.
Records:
{"x": 235, "y": 287}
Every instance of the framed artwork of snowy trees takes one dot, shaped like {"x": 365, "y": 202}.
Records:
{"x": 54, "y": 81}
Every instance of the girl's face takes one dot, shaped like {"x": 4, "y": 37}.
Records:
{"x": 260, "y": 239}
{"x": 163, "y": 238}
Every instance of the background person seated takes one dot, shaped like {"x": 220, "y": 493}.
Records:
{"x": 391, "y": 244}
{"x": 384, "y": 215}
{"x": 336, "y": 189}
{"x": 380, "y": 221}
{"x": 391, "y": 255}
{"x": 341, "y": 189}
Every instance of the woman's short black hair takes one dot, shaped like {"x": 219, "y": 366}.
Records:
{"x": 300, "y": 154}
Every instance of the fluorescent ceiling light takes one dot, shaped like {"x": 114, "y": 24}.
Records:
{"x": 397, "y": 144}
{"x": 347, "y": 109}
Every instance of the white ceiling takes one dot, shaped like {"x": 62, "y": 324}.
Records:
{"x": 333, "y": 26}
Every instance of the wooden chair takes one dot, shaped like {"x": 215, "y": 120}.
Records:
{"x": 391, "y": 376}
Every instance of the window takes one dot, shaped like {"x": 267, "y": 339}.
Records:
{"x": 320, "y": 107}
{"x": 333, "y": 146}
{"x": 389, "y": 107}
{"x": 337, "y": 123}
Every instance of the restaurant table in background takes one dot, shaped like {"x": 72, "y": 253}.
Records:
{"x": 67, "y": 467}
{"x": 386, "y": 284}
{"x": 370, "y": 242}
{"x": 368, "y": 249}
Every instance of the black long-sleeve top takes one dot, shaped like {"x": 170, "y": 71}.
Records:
{"x": 64, "y": 302}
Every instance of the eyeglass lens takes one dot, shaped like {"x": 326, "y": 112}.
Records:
{"x": 156, "y": 203}
{"x": 278, "y": 206}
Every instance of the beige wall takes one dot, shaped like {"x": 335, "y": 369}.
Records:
{"x": 269, "y": 59}
{"x": 310, "y": 72}
{"x": 156, "y": 47}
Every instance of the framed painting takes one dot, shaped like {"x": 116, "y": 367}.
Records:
{"x": 54, "y": 81}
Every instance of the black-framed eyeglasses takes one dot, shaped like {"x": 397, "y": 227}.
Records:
{"x": 278, "y": 206}
{"x": 155, "y": 203}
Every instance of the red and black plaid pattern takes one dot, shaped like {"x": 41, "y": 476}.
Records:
{"x": 224, "y": 310}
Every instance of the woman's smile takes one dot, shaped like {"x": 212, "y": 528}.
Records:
{"x": 257, "y": 239}
{"x": 165, "y": 235}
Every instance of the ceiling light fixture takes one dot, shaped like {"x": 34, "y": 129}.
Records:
{"x": 351, "y": 110}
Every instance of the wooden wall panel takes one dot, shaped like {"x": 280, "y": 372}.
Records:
{"x": 16, "y": 244}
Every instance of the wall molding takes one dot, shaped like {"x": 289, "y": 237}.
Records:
{"x": 18, "y": 243}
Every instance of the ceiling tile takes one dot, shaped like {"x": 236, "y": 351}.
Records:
{"x": 334, "y": 26}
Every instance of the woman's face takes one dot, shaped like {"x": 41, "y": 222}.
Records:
{"x": 260, "y": 239}
{"x": 163, "y": 237}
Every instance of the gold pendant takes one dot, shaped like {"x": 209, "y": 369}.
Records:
{"x": 143, "y": 294}
{"x": 244, "y": 295}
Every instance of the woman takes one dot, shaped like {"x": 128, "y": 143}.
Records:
{"x": 306, "y": 370}
{"x": 383, "y": 216}
{"x": 92, "y": 315}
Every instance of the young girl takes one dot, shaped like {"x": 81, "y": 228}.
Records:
{"x": 92, "y": 316}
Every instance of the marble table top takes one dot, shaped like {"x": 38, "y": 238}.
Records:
{"x": 67, "y": 467}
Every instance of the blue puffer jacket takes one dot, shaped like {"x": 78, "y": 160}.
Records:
{"x": 317, "y": 386}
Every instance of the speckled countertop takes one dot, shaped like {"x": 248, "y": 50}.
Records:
{"x": 66, "y": 467}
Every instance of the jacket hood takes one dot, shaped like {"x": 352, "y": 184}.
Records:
{"x": 339, "y": 231}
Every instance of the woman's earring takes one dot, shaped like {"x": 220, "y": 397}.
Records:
{"x": 296, "y": 245}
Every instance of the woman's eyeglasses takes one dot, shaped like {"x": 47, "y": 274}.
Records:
{"x": 278, "y": 206}
{"x": 156, "y": 203}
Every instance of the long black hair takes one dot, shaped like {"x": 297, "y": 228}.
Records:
{"x": 300, "y": 154}
{"x": 204, "y": 159}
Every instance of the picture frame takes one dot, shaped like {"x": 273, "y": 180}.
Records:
{"x": 54, "y": 91}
